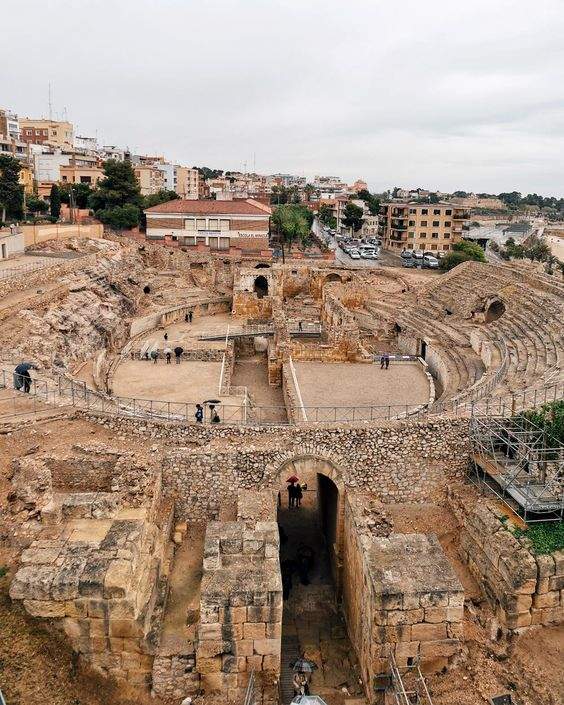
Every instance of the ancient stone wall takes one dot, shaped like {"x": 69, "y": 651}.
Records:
{"x": 401, "y": 461}
{"x": 524, "y": 589}
{"x": 340, "y": 326}
{"x": 241, "y": 607}
{"x": 401, "y": 596}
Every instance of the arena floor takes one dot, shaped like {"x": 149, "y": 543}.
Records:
{"x": 355, "y": 385}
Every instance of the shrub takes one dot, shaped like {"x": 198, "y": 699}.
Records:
{"x": 545, "y": 537}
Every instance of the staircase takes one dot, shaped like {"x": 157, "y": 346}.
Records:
{"x": 290, "y": 652}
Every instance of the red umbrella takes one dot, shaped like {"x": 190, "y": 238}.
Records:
{"x": 293, "y": 478}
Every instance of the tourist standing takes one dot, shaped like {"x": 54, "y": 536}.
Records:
{"x": 168, "y": 355}
{"x": 299, "y": 495}
{"x": 382, "y": 360}
{"x": 291, "y": 495}
{"x": 387, "y": 360}
{"x": 199, "y": 415}
{"x": 190, "y": 314}
{"x": 166, "y": 336}
{"x": 178, "y": 353}
{"x": 154, "y": 356}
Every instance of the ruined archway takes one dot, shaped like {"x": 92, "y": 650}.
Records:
{"x": 494, "y": 310}
{"x": 333, "y": 277}
{"x": 260, "y": 286}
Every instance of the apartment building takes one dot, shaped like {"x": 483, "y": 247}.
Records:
{"x": 151, "y": 180}
{"x": 51, "y": 132}
{"x": 215, "y": 225}
{"x": 14, "y": 148}
{"x": 9, "y": 124}
{"x": 421, "y": 226}
{"x": 187, "y": 182}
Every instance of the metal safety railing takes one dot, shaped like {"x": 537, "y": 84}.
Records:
{"x": 63, "y": 390}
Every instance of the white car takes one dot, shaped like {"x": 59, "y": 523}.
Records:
{"x": 431, "y": 262}
{"x": 369, "y": 253}
{"x": 418, "y": 254}
{"x": 354, "y": 254}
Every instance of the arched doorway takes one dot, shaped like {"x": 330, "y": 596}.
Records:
{"x": 495, "y": 310}
{"x": 333, "y": 277}
{"x": 260, "y": 286}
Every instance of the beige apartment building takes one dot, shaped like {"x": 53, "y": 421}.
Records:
{"x": 151, "y": 180}
{"x": 421, "y": 226}
{"x": 51, "y": 132}
{"x": 187, "y": 182}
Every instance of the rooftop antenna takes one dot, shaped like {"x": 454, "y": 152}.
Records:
{"x": 50, "y": 103}
{"x": 254, "y": 162}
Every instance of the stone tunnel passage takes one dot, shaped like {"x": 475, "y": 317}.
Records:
{"x": 312, "y": 625}
{"x": 494, "y": 311}
{"x": 261, "y": 286}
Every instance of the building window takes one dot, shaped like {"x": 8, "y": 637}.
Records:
{"x": 447, "y": 223}
{"x": 212, "y": 224}
{"x": 64, "y": 178}
{"x": 85, "y": 179}
{"x": 435, "y": 235}
{"x": 412, "y": 235}
{"x": 422, "y": 235}
{"x": 446, "y": 236}
{"x": 433, "y": 246}
{"x": 413, "y": 210}
{"x": 423, "y": 223}
{"x": 190, "y": 240}
{"x": 424, "y": 211}
{"x": 200, "y": 224}
{"x": 411, "y": 222}
{"x": 436, "y": 223}
{"x": 448, "y": 212}
{"x": 224, "y": 225}
{"x": 437, "y": 211}
{"x": 190, "y": 224}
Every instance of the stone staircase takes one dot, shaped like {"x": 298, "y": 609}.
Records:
{"x": 290, "y": 652}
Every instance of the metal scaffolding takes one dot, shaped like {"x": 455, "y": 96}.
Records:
{"x": 518, "y": 461}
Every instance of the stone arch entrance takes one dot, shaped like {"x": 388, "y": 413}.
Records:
{"x": 333, "y": 277}
{"x": 324, "y": 496}
{"x": 260, "y": 286}
{"x": 494, "y": 310}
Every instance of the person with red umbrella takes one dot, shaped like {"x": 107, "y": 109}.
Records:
{"x": 292, "y": 490}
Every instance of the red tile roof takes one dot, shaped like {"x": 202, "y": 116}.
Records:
{"x": 211, "y": 207}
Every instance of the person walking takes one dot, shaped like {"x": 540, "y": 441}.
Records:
{"x": 190, "y": 314}
{"x": 300, "y": 325}
{"x": 299, "y": 495}
{"x": 382, "y": 361}
{"x": 178, "y": 353}
{"x": 26, "y": 377}
{"x": 154, "y": 356}
{"x": 291, "y": 495}
{"x": 166, "y": 336}
{"x": 185, "y": 318}
{"x": 168, "y": 355}
{"x": 387, "y": 360}
{"x": 199, "y": 415}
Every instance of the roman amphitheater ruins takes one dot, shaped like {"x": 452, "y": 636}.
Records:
{"x": 163, "y": 549}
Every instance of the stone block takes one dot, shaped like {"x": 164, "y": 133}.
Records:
{"x": 72, "y": 628}
{"x": 549, "y": 599}
{"x": 117, "y": 645}
{"x": 231, "y": 632}
{"x": 274, "y": 631}
{"x": 98, "y": 627}
{"x": 266, "y": 647}
{"x": 404, "y": 650}
{"x": 213, "y": 682}
{"x": 515, "y": 621}
{"x": 558, "y": 562}
{"x": 132, "y": 645}
{"x": 206, "y": 666}
{"x": 556, "y": 582}
{"x": 117, "y": 579}
{"x": 257, "y": 613}
{"x": 243, "y": 647}
{"x": 455, "y": 630}
{"x": 213, "y": 647}
{"x": 393, "y": 634}
{"x": 271, "y": 663}
{"x": 45, "y": 608}
{"x": 252, "y": 630}
{"x": 546, "y": 566}
{"x": 436, "y": 615}
{"x": 121, "y": 609}
{"x": 40, "y": 556}
{"x": 233, "y": 614}
{"x": 76, "y": 608}
{"x": 428, "y": 632}
{"x": 434, "y": 599}
{"x": 254, "y": 663}
{"x": 210, "y": 631}
{"x": 553, "y": 615}
{"x": 33, "y": 583}
{"x": 233, "y": 664}
{"x": 125, "y": 628}
{"x": 392, "y": 601}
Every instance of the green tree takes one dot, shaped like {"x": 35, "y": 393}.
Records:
{"x": 55, "y": 201}
{"x": 352, "y": 217}
{"x": 538, "y": 250}
{"x": 34, "y": 204}
{"x": 120, "y": 217}
{"x": 463, "y": 252}
{"x": 511, "y": 199}
{"x": 118, "y": 187}
{"x": 309, "y": 190}
{"x": 293, "y": 222}
{"x": 325, "y": 215}
{"x": 371, "y": 200}
{"x": 11, "y": 191}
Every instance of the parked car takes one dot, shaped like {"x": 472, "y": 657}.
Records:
{"x": 369, "y": 253}
{"x": 411, "y": 262}
{"x": 418, "y": 254}
{"x": 406, "y": 254}
{"x": 430, "y": 261}
{"x": 353, "y": 253}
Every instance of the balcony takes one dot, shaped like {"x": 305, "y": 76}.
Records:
{"x": 399, "y": 224}
{"x": 398, "y": 236}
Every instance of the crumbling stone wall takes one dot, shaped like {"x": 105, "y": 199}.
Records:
{"x": 241, "y": 607}
{"x": 524, "y": 589}
{"x": 400, "y": 596}
{"x": 340, "y": 326}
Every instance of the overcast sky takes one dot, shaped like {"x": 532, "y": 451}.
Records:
{"x": 440, "y": 94}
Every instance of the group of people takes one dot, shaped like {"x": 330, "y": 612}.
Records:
{"x": 168, "y": 352}
{"x": 384, "y": 361}
{"x": 199, "y": 414}
{"x": 295, "y": 494}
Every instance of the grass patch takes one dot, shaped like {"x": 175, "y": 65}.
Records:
{"x": 545, "y": 537}
{"x": 3, "y": 571}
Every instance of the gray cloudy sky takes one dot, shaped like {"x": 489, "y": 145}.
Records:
{"x": 444, "y": 94}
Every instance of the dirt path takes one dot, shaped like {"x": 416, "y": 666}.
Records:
{"x": 252, "y": 372}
